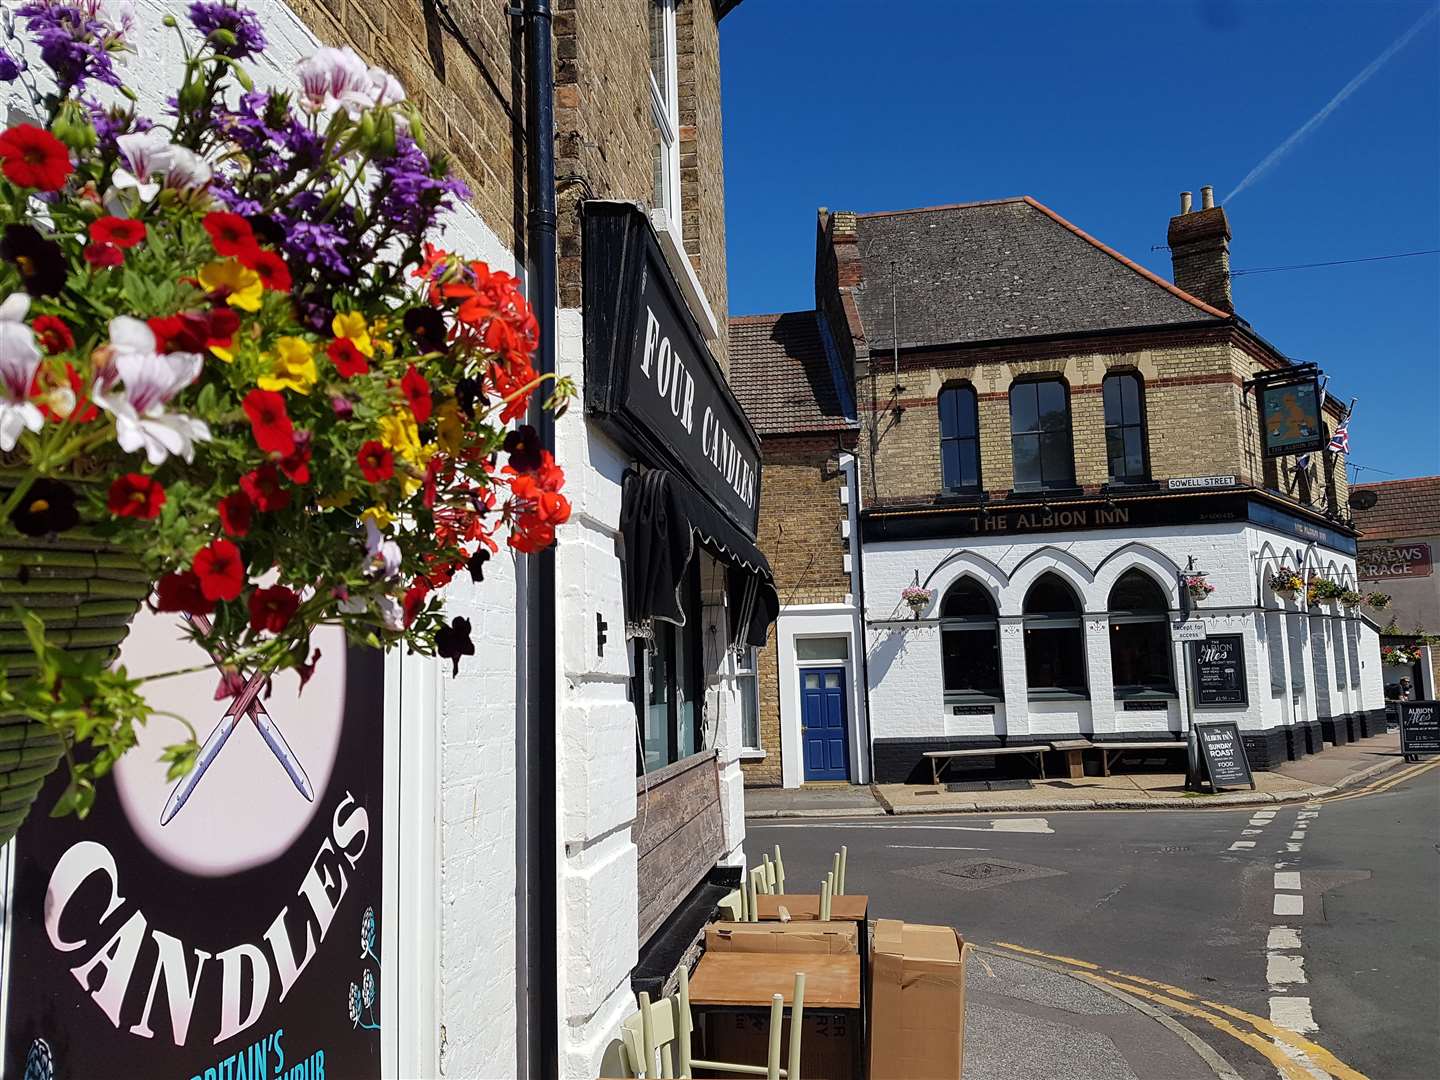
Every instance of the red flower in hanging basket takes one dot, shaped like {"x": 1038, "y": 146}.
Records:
{"x": 230, "y": 234}
{"x": 265, "y": 490}
{"x": 376, "y": 461}
{"x": 117, "y": 231}
{"x": 182, "y": 592}
{"x": 271, "y": 609}
{"x": 270, "y": 422}
{"x": 417, "y": 393}
{"x": 136, "y": 495}
{"x": 220, "y": 569}
{"x": 348, "y": 360}
{"x": 31, "y": 157}
{"x": 237, "y": 513}
{"x": 52, "y": 333}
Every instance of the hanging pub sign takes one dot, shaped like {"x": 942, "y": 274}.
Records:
{"x": 1222, "y": 755}
{"x": 649, "y": 376}
{"x": 1290, "y": 421}
{"x": 1218, "y": 671}
{"x": 225, "y": 926}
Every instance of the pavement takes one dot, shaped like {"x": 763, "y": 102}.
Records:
{"x": 1293, "y": 940}
{"x": 1314, "y": 776}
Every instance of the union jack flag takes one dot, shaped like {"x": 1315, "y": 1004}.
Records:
{"x": 1340, "y": 440}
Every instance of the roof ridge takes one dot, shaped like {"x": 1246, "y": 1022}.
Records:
{"x": 1153, "y": 278}
{"x": 756, "y": 317}
{"x": 1397, "y": 480}
{"x": 944, "y": 206}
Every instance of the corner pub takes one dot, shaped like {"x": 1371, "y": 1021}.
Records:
{"x": 1072, "y": 456}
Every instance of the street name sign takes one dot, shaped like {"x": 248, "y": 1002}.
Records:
{"x": 1201, "y": 483}
{"x": 1222, "y": 752}
{"x": 1419, "y": 728}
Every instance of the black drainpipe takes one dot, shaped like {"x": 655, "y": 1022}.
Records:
{"x": 540, "y": 1054}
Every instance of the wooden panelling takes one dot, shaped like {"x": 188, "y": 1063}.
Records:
{"x": 679, "y": 834}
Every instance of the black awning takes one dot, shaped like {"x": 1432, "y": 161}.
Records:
{"x": 662, "y": 518}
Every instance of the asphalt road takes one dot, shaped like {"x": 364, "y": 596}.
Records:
{"x": 1181, "y": 898}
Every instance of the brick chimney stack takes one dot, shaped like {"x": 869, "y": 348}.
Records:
{"x": 1200, "y": 250}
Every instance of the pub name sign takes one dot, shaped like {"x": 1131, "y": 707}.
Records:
{"x": 648, "y": 373}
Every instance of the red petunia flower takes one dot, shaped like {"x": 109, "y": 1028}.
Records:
{"x": 415, "y": 600}
{"x": 31, "y": 157}
{"x": 348, "y": 360}
{"x": 376, "y": 461}
{"x": 271, "y": 609}
{"x": 530, "y": 538}
{"x": 274, "y": 433}
{"x": 52, "y": 333}
{"x": 417, "y": 393}
{"x": 273, "y": 271}
{"x": 136, "y": 495}
{"x": 264, "y": 488}
{"x": 230, "y": 234}
{"x": 220, "y": 569}
{"x": 181, "y": 592}
{"x": 296, "y": 464}
{"x": 117, "y": 231}
{"x": 237, "y": 513}
{"x": 102, "y": 256}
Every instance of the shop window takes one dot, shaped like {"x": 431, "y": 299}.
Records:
{"x": 969, "y": 642}
{"x": 1054, "y": 640}
{"x": 959, "y": 439}
{"x": 1275, "y": 647}
{"x": 747, "y": 682}
{"x": 665, "y": 684}
{"x": 665, "y": 111}
{"x": 1140, "y": 653}
{"x": 1124, "y": 395}
{"x": 1040, "y": 442}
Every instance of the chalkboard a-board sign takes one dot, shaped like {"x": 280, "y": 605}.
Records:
{"x": 1222, "y": 753}
{"x": 1419, "y": 728}
{"x": 1218, "y": 668}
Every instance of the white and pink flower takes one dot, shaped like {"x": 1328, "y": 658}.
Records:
{"x": 150, "y": 379}
{"x": 19, "y": 360}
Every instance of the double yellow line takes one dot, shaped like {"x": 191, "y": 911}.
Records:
{"x": 1254, "y": 1031}
{"x": 1385, "y": 783}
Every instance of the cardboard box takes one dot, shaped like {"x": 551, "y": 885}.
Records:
{"x": 917, "y": 1002}
{"x": 828, "y": 1040}
{"x": 832, "y": 938}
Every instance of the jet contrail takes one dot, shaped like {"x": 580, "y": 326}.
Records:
{"x": 1330, "y": 106}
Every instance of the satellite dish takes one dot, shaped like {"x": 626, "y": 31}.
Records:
{"x": 1363, "y": 500}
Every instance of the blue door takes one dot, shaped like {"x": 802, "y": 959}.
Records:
{"x": 822, "y": 723}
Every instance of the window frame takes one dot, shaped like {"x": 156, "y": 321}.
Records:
{"x": 690, "y": 683}
{"x": 974, "y": 440}
{"x": 747, "y": 687}
{"x": 1142, "y": 616}
{"x": 1043, "y": 621}
{"x": 1038, "y": 433}
{"x": 665, "y": 111}
{"x": 971, "y": 624}
{"x": 1142, "y": 424}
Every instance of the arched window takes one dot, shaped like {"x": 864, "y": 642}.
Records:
{"x": 1054, "y": 639}
{"x": 969, "y": 642}
{"x": 1125, "y": 428}
{"x": 1140, "y": 655}
{"x": 1040, "y": 443}
{"x": 959, "y": 439}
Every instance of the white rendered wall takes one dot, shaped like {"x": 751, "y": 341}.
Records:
{"x": 820, "y": 621}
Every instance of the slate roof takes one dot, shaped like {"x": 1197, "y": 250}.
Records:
{"x": 1404, "y": 508}
{"x": 990, "y": 271}
{"x": 781, "y": 375}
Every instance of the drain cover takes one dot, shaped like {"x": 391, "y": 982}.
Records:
{"x": 978, "y": 873}
{"x": 981, "y": 870}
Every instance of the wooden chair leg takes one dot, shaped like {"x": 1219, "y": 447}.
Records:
{"x": 825, "y": 900}
{"x": 779, "y": 871}
{"x": 682, "y": 1022}
{"x": 844, "y": 856}
{"x": 647, "y": 1029}
{"x": 835, "y": 875}
{"x": 797, "y": 1019}
{"x": 777, "y": 1018}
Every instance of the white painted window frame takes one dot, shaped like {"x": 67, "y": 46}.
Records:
{"x": 749, "y": 671}
{"x": 665, "y": 108}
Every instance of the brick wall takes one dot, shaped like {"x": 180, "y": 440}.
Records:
{"x": 800, "y": 522}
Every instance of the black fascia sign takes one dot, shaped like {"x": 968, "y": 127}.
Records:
{"x": 650, "y": 378}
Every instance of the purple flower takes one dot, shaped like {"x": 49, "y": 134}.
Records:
{"x": 216, "y": 15}
{"x": 10, "y": 68}
{"x": 75, "y": 42}
{"x": 317, "y": 245}
{"x": 411, "y": 194}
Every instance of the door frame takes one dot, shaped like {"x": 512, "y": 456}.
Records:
{"x": 846, "y": 683}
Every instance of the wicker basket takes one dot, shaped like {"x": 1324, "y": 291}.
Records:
{"x": 88, "y": 593}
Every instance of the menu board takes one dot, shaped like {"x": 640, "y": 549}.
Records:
{"x": 224, "y": 926}
{"x": 1419, "y": 728}
{"x": 1222, "y": 752}
{"x": 1218, "y": 669}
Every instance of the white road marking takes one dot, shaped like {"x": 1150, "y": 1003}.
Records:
{"x": 1010, "y": 825}
{"x": 1288, "y": 879}
{"x": 1282, "y": 968}
{"x": 1289, "y": 904}
{"x": 1292, "y": 1012}
{"x": 1250, "y": 832}
{"x": 1308, "y": 814}
{"x": 1292, "y": 847}
{"x": 1297, "y": 836}
{"x": 936, "y": 847}
{"x": 1264, "y": 814}
{"x": 1239, "y": 844}
{"x": 1283, "y": 937}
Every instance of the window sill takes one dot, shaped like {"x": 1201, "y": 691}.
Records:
{"x": 1057, "y": 695}
{"x": 679, "y": 264}
{"x": 1030, "y": 494}
{"x": 974, "y": 699}
{"x": 1125, "y": 487}
{"x": 752, "y": 755}
{"x": 1125, "y": 693}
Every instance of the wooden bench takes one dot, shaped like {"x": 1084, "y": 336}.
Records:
{"x": 1107, "y": 749}
{"x": 1073, "y": 749}
{"x": 940, "y": 759}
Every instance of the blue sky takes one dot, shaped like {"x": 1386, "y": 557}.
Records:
{"x": 1105, "y": 111}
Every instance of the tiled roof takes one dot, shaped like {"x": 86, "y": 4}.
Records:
{"x": 1403, "y": 508}
{"x": 782, "y": 376}
{"x": 996, "y": 270}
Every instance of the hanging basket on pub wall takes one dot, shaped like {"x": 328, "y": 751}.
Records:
{"x": 88, "y": 593}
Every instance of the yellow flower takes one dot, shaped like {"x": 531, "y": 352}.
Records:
{"x": 377, "y": 331}
{"x": 351, "y": 324}
{"x": 240, "y": 283}
{"x": 399, "y": 433}
{"x": 382, "y": 517}
{"x": 340, "y": 498}
{"x": 223, "y": 352}
{"x": 450, "y": 428}
{"x": 294, "y": 360}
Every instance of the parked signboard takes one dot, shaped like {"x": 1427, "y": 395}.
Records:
{"x": 1222, "y": 754}
{"x": 1419, "y": 728}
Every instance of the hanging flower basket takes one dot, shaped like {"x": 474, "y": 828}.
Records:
{"x": 1286, "y": 583}
{"x": 1351, "y": 599}
{"x": 916, "y": 598}
{"x": 236, "y": 379}
{"x": 1378, "y": 601}
{"x": 1198, "y": 588}
{"x": 1398, "y": 655}
{"x": 1322, "y": 590}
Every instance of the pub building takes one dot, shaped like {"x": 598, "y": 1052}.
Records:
{"x": 1064, "y": 457}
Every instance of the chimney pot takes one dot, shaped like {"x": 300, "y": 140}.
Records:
{"x": 1207, "y": 198}
{"x": 1184, "y": 202}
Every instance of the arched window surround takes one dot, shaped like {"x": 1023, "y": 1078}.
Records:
{"x": 970, "y": 643}
{"x": 958, "y": 406}
{"x": 1055, "y": 665}
{"x": 1142, "y": 661}
{"x": 1042, "y": 443}
{"x": 1127, "y": 433}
